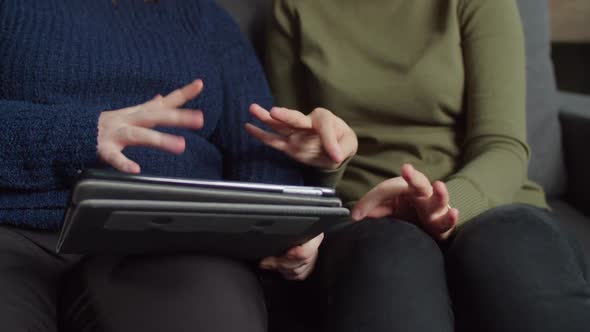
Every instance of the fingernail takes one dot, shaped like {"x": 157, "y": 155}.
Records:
{"x": 338, "y": 154}
{"x": 133, "y": 168}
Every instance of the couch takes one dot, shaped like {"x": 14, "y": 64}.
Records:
{"x": 558, "y": 123}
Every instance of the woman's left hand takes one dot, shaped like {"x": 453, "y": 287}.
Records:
{"x": 320, "y": 139}
{"x": 413, "y": 198}
{"x": 298, "y": 263}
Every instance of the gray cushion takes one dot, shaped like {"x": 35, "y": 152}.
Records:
{"x": 252, "y": 16}
{"x": 576, "y": 224}
{"x": 544, "y": 135}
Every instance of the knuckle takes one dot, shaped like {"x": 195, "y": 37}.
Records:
{"x": 181, "y": 95}
{"x": 127, "y": 134}
{"x": 299, "y": 253}
{"x": 112, "y": 158}
{"x": 320, "y": 110}
{"x": 324, "y": 113}
{"x": 175, "y": 116}
{"x": 381, "y": 188}
{"x": 156, "y": 139}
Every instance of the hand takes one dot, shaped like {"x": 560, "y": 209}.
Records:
{"x": 298, "y": 263}
{"x": 411, "y": 197}
{"x": 320, "y": 139}
{"x": 132, "y": 126}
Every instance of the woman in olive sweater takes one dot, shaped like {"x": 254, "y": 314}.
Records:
{"x": 435, "y": 91}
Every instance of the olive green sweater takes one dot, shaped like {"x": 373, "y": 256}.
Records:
{"x": 437, "y": 84}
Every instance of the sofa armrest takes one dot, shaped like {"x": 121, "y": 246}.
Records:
{"x": 575, "y": 125}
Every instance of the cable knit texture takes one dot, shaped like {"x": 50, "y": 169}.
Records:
{"x": 62, "y": 62}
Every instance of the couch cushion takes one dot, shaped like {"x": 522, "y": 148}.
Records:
{"x": 544, "y": 134}
{"x": 252, "y": 16}
{"x": 576, "y": 224}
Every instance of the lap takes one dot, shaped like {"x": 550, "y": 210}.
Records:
{"x": 43, "y": 291}
{"x": 30, "y": 274}
{"x": 514, "y": 269}
{"x": 517, "y": 238}
{"x": 377, "y": 275}
{"x": 158, "y": 293}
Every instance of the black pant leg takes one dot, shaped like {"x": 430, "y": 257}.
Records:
{"x": 384, "y": 275}
{"x": 293, "y": 306}
{"x": 166, "y": 293}
{"x": 30, "y": 274}
{"x": 514, "y": 269}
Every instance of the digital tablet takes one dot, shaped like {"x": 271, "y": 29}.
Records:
{"x": 112, "y": 214}
{"x": 232, "y": 185}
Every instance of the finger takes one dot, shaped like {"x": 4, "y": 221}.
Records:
{"x": 447, "y": 235}
{"x": 289, "y": 275}
{"x": 138, "y": 136}
{"x": 440, "y": 196}
{"x": 269, "y": 263}
{"x": 263, "y": 115}
{"x": 181, "y": 96}
{"x": 349, "y": 144}
{"x": 273, "y": 140}
{"x": 301, "y": 273}
{"x": 417, "y": 181}
{"x": 385, "y": 191}
{"x": 288, "y": 264}
{"x": 162, "y": 117}
{"x": 303, "y": 268}
{"x": 118, "y": 160}
{"x": 323, "y": 122}
{"x": 292, "y": 118}
{"x": 307, "y": 250}
{"x": 381, "y": 211}
{"x": 444, "y": 223}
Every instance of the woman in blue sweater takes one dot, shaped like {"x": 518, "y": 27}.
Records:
{"x": 80, "y": 85}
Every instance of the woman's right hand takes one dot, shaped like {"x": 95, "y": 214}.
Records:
{"x": 133, "y": 126}
{"x": 320, "y": 139}
{"x": 411, "y": 197}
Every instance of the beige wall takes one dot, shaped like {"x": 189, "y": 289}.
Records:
{"x": 570, "y": 20}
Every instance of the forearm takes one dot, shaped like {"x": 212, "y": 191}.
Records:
{"x": 490, "y": 178}
{"x": 43, "y": 146}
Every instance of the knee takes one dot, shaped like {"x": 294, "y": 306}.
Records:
{"x": 500, "y": 240}
{"x": 504, "y": 228}
{"x": 386, "y": 242}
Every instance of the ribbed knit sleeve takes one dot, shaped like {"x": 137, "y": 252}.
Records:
{"x": 244, "y": 83}
{"x": 44, "y": 145}
{"x": 495, "y": 151}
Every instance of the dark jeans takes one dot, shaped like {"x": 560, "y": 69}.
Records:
{"x": 511, "y": 269}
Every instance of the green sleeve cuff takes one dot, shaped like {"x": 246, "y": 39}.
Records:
{"x": 328, "y": 178}
{"x": 467, "y": 198}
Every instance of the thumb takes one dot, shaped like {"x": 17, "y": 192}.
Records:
{"x": 385, "y": 191}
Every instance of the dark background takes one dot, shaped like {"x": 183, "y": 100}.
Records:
{"x": 572, "y": 65}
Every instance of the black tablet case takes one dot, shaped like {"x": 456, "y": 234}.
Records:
{"x": 118, "y": 218}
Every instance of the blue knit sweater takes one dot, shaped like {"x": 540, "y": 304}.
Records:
{"x": 62, "y": 62}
